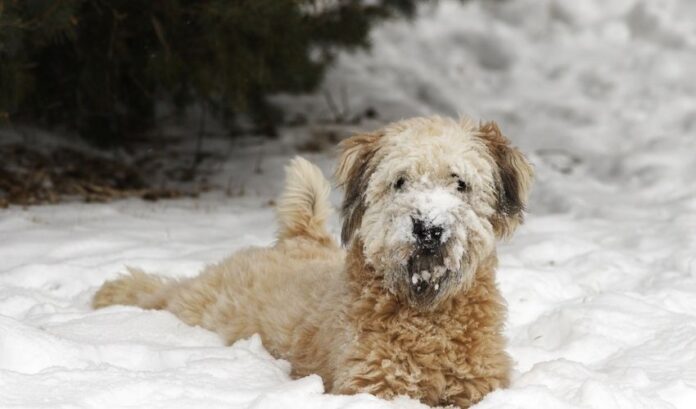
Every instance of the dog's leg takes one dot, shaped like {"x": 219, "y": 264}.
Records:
{"x": 137, "y": 288}
{"x": 188, "y": 299}
{"x": 381, "y": 380}
{"x": 473, "y": 390}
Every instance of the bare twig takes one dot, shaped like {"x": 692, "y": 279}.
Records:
{"x": 335, "y": 111}
{"x": 198, "y": 154}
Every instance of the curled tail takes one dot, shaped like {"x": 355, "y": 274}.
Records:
{"x": 137, "y": 288}
{"x": 304, "y": 206}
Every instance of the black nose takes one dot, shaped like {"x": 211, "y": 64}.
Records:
{"x": 427, "y": 235}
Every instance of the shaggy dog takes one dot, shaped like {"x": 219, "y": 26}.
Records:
{"x": 411, "y": 306}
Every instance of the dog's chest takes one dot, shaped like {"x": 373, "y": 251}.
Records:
{"x": 414, "y": 342}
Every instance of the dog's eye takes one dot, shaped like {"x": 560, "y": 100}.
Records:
{"x": 399, "y": 184}
{"x": 462, "y": 186}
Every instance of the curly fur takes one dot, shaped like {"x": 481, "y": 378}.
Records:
{"x": 351, "y": 316}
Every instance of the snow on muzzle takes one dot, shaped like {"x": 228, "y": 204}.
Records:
{"x": 432, "y": 222}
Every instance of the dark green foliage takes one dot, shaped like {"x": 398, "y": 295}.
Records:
{"x": 100, "y": 66}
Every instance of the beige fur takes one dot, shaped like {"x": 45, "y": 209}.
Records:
{"x": 357, "y": 318}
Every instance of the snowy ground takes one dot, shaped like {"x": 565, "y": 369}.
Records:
{"x": 600, "y": 281}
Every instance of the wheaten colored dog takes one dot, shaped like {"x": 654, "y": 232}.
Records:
{"x": 411, "y": 307}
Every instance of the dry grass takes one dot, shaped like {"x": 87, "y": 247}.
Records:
{"x": 29, "y": 177}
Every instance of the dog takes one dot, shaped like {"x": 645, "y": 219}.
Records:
{"x": 409, "y": 304}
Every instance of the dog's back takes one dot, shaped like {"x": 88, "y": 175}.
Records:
{"x": 285, "y": 281}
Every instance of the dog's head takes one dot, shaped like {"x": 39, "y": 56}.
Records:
{"x": 427, "y": 198}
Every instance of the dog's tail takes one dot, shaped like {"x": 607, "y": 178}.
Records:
{"x": 304, "y": 206}
{"x": 136, "y": 288}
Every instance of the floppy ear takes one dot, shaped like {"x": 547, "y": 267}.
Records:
{"x": 514, "y": 179}
{"x": 353, "y": 175}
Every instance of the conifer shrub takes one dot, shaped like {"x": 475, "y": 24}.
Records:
{"x": 102, "y": 66}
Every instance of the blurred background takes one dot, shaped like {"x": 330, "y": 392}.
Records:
{"x": 206, "y": 101}
{"x": 105, "y": 99}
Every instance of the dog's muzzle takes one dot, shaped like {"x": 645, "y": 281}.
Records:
{"x": 427, "y": 276}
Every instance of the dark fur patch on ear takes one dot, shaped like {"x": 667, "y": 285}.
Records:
{"x": 353, "y": 174}
{"x": 510, "y": 201}
{"x": 514, "y": 179}
{"x": 509, "y": 197}
{"x": 354, "y": 205}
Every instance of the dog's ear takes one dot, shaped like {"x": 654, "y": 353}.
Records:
{"x": 513, "y": 181}
{"x": 353, "y": 175}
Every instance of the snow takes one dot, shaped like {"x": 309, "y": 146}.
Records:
{"x": 435, "y": 209}
{"x": 600, "y": 280}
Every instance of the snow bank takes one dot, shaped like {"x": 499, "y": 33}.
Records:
{"x": 600, "y": 281}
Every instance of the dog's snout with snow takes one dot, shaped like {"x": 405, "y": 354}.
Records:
{"x": 428, "y": 235}
{"x": 434, "y": 212}
{"x": 434, "y": 217}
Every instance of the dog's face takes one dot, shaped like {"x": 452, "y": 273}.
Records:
{"x": 427, "y": 198}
